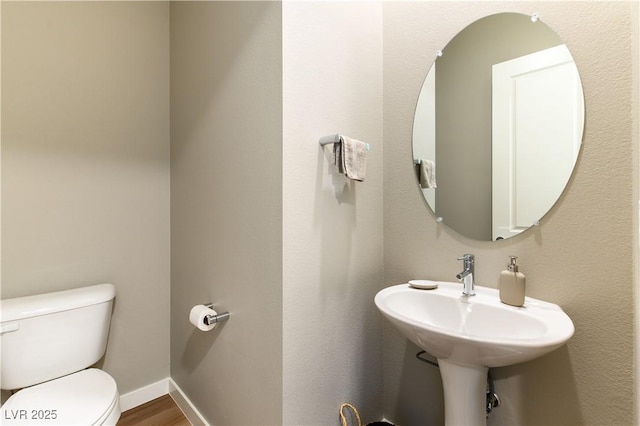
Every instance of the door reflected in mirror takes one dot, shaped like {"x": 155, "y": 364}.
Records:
{"x": 498, "y": 126}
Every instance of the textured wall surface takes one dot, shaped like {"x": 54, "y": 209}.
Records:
{"x": 85, "y": 165}
{"x": 226, "y": 206}
{"x": 332, "y": 227}
{"x": 582, "y": 255}
{"x": 636, "y": 191}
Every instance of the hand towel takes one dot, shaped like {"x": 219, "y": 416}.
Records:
{"x": 427, "y": 170}
{"x": 337, "y": 156}
{"x": 354, "y": 158}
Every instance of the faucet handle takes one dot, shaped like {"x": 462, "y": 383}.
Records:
{"x": 467, "y": 258}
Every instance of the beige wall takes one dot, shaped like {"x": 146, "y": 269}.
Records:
{"x": 85, "y": 166}
{"x": 226, "y": 206}
{"x": 636, "y": 191}
{"x": 263, "y": 227}
{"x": 332, "y": 227}
{"x": 581, "y": 257}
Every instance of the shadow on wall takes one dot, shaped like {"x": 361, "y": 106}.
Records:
{"x": 549, "y": 382}
{"x": 420, "y": 395}
{"x": 335, "y": 215}
{"x": 197, "y": 347}
{"x": 344, "y": 190}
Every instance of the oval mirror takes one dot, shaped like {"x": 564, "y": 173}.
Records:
{"x": 498, "y": 126}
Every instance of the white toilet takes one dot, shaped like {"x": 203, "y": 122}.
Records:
{"x": 47, "y": 342}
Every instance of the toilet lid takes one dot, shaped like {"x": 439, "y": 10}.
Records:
{"x": 81, "y": 398}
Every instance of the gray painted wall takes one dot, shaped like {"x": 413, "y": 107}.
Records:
{"x": 226, "y": 206}
{"x": 85, "y": 166}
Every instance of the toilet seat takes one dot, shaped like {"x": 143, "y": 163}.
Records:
{"x": 88, "y": 397}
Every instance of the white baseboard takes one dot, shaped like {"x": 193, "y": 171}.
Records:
{"x": 155, "y": 390}
{"x": 190, "y": 411}
{"x": 144, "y": 394}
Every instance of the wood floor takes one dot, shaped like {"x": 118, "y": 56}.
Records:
{"x": 161, "y": 411}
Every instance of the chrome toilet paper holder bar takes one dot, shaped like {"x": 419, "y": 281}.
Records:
{"x": 212, "y": 319}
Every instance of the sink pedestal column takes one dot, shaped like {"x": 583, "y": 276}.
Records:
{"x": 465, "y": 392}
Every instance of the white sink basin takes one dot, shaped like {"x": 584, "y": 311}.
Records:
{"x": 476, "y": 330}
{"x": 469, "y": 334}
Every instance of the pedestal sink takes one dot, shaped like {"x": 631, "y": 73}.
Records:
{"x": 469, "y": 334}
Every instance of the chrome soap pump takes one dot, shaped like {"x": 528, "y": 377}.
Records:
{"x": 512, "y": 283}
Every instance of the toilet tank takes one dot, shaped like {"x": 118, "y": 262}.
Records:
{"x": 50, "y": 335}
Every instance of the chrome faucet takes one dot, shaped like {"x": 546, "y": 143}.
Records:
{"x": 466, "y": 276}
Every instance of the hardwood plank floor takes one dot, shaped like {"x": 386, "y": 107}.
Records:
{"x": 161, "y": 411}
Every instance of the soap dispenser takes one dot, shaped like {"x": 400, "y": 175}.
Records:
{"x": 512, "y": 284}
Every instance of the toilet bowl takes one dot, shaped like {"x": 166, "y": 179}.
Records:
{"x": 88, "y": 397}
{"x": 48, "y": 342}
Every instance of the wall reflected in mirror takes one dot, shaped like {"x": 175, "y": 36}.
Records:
{"x": 498, "y": 126}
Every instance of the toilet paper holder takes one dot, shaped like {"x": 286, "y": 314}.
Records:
{"x": 212, "y": 319}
